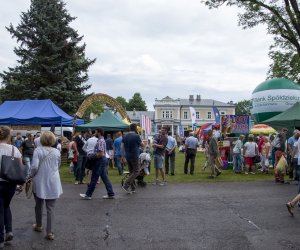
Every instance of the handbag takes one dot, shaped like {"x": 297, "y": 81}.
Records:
{"x": 12, "y": 169}
{"x": 28, "y": 188}
{"x": 70, "y": 154}
{"x": 256, "y": 159}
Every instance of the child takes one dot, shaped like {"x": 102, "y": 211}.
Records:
{"x": 280, "y": 169}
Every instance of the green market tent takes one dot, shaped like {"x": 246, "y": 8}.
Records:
{"x": 107, "y": 121}
{"x": 289, "y": 119}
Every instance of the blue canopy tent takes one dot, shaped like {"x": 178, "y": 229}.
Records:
{"x": 31, "y": 112}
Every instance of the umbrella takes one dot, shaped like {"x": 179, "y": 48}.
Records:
{"x": 262, "y": 129}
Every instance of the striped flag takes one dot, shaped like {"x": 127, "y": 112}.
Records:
{"x": 146, "y": 124}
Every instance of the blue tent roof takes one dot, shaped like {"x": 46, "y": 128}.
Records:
{"x": 31, "y": 112}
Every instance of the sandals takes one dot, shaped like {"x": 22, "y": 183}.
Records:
{"x": 36, "y": 228}
{"x": 290, "y": 207}
{"x": 49, "y": 236}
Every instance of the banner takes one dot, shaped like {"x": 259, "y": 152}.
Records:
{"x": 193, "y": 117}
{"x": 146, "y": 124}
{"x": 217, "y": 114}
{"x": 239, "y": 124}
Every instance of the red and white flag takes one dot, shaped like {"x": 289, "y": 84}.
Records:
{"x": 146, "y": 124}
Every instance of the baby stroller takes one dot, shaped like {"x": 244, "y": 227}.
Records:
{"x": 145, "y": 161}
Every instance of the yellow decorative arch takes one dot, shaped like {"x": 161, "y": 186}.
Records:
{"x": 104, "y": 99}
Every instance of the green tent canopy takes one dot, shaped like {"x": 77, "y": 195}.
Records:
{"x": 289, "y": 119}
{"x": 107, "y": 121}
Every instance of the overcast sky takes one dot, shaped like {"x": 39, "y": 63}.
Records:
{"x": 160, "y": 48}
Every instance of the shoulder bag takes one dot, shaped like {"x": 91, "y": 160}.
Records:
{"x": 12, "y": 169}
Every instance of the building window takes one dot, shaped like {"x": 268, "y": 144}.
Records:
{"x": 197, "y": 115}
{"x": 184, "y": 115}
{"x": 222, "y": 113}
{"x": 167, "y": 114}
{"x": 208, "y": 115}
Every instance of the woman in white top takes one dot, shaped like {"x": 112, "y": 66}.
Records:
{"x": 7, "y": 189}
{"x": 250, "y": 150}
{"x": 46, "y": 181}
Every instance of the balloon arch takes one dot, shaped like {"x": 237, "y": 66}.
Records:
{"x": 106, "y": 99}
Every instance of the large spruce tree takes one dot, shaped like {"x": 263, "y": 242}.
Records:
{"x": 52, "y": 62}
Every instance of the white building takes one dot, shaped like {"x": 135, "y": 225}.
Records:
{"x": 175, "y": 113}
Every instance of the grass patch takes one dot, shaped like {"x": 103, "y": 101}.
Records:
{"x": 180, "y": 177}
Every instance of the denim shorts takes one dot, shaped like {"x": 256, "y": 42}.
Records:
{"x": 158, "y": 161}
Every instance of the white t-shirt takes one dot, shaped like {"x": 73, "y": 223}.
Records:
{"x": 250, "y": 149}
{"x": 37, "y": 142}
{"x": 89, "y": 146}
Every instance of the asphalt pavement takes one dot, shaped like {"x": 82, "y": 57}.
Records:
{"x": 240, "y": 215}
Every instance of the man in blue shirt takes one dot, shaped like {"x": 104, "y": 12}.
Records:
{"x": 117, "y": 152}
{"x": 191, "y": 144}
{"x": 130, "y": 149}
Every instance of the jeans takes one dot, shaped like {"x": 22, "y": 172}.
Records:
{"x": 273, "y": 157}
{"x": 237, "y": 162}
{"x": 119, "y": 164}
{"x": 297, "y": 168}
{"x": 190, "y": 155}
{"x": 27, "y": 160}
{"x": 170, "y": 157}
{"x": 99, "y": 168}
{"x": 7, "y": 191}
{"x": 80, "y": 168}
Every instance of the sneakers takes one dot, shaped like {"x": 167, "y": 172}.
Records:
{"x": 85, "y": 197}
{"x": 9, "y": 236}
{"x": 162, "y": 183}
{"x": 126, "y": 189}
{"x": 246, "y": 173}
{"x": 211, "y": 177}
{"x": 76, "y": 182}
{"x": 108, "y": 197}
{"x": 219, "y": 173}
{"x": 252, "y": 173}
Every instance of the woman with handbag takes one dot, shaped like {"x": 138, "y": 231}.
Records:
{"x": 7, "y": 189}
{"x": 46, "y": 181}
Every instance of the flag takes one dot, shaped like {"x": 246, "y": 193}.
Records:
{"x": 146, "y": 124}
{"x": 217, "y": 114}
{"x": 193, "y": 116}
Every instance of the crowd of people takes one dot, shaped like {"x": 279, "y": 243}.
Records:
{"x": 41, "y": 154}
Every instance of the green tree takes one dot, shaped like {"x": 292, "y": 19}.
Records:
{"x": 243, "y": 107}
{"x": 52, "y": 62}
{"x": 282, "y": 19}
{"x": 137, "y": 103}
{"x": 96, "y": 108}
{"x": 122, "y": 101}
{"x": 285, "y": 65}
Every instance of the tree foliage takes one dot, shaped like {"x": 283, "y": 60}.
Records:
{"x": 122, "y": 101}
{"x": 96, "y": 108}
{"x": 243, "y": 107}
{"x": 282, "y": 18}
{"x": 52, "y": 62}
{"x": 137, "y": 103}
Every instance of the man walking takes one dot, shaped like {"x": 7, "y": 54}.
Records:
{"x": 170, "y": 154}
{"x": 158, "y": 154}
{"x": 130, "y": 149}
{"x": 213, "y": 153}
{"x": 191, "y": 144}
{"x": 99, "y": 168}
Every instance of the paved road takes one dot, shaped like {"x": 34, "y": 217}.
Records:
{"x": 249, "y": 215}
